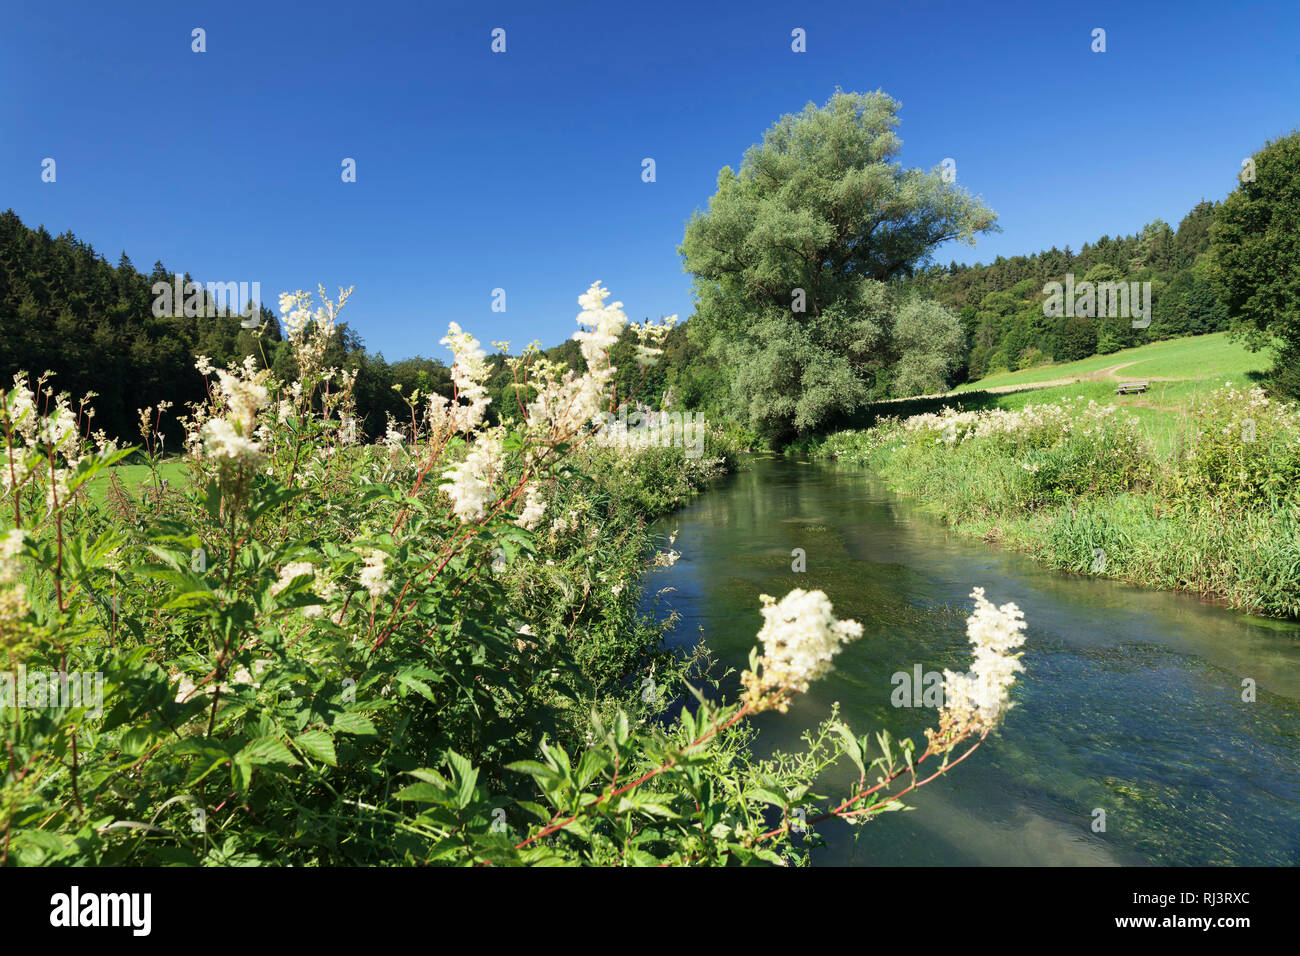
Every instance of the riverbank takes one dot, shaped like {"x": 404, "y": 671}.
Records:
{"x": 1201, "y": 498}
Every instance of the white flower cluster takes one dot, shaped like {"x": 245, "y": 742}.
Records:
{"x": 1046, "y": 422}
{"x": 1249, "y": 415}
{"x": 977, "y": 700}
{"x": 229, "y": 440}
{"x": 372, "y": 576}
{"x": 565, "y": 403}
{"x": 534, "y": 507}
{"x": 185, "y": 686}
{"x": 469, "y": 374}
{"x": 289, "y": 572}
{"x": 606, "y": 324}
{"x": 1033, "y": 426}
{"x": 469, "y": 483}
{"x": 57, "y": 428}
{"x": 650, "y": 339}
{"x": 310, "y": 330}
{"x": 800, "y": 638}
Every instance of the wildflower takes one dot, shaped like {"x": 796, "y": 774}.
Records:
{"x": 291, "y": 571}
{"x": 606, "y": 321}
{"x": 534, "y": 508}
{"x": 976, "y": 701}
{"x": 800, "y": 637}
{"x": 468, "y": 484}
{"x": 225, "y": 445}
{"x": 372, "y": 575}
{"x": 13, "y": 596}
{"x": 327, "y": 590}
{"x": 468, "y": 374}
{"x": 244, "y": 394}
{"x": 11, "y": 545}
{"x": 184, "y": 688}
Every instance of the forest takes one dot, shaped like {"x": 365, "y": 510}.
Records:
{"x": 66, "y": 309}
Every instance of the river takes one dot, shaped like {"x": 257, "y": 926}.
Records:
{"x": 1131, "y": 704}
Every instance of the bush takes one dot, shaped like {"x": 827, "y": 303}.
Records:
{"x": 428, "y": 650}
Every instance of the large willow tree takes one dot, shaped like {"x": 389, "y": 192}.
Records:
{"x": 791, "y": 257}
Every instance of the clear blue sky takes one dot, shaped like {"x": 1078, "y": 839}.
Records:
{"x": 523, "y": 170}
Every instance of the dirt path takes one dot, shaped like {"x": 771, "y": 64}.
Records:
{"x": 1101, "y": 373}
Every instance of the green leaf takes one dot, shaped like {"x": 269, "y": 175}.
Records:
{"x": 466, "y": 777}
{"x": 851, "y": 745}
{"x": 350, "y": 722}
{"x": 267, "y": 750}
{"x": 419, "y": 686}
{"x": 424, "y": 793}
{"x": 318, "y": 744}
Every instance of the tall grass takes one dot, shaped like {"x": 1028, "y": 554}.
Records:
{"x": 1204, "y": 500}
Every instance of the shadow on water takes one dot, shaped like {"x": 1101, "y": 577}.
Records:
{"x": 1131, "y": 704}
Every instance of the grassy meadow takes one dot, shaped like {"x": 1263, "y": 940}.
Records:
{"x": 1191, "y": 485}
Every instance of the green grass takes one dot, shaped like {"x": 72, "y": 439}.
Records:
{"x": 1156, "y": 530}
{"x": 1195, "y": 365}
{"x": 133, "y": 476}
{"x": 1199, "y": 358}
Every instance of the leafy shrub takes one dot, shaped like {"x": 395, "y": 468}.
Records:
{"x": 315, "y": 650}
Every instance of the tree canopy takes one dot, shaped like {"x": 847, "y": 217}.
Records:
{"x": 1255, "y": 255}
{"x": 790, "y": 257}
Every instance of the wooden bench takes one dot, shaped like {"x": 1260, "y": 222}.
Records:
{"x": 1131, "y": 388}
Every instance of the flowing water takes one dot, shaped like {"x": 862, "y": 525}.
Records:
{"x": 1131, "y": 704}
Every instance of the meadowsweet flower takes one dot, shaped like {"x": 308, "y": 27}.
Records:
{"x": 224, "y": 444}
{"x": 11, "y": 545}
{"x": 244, "y": 395}
{"x": 13, "y": 596}
{"x": 295, "y": 569}
{"x": 800, "y": 637}
{"x": 976, "y": 701}
{"x": 606, "y": 324}
{"x": 184, "y": 688}
{"x": 469, "y": 484}
{"x": 469, "y": 373}
{"x": 326, "y": 590}
{"x": 58, "y": 425}
{"x": 534, "y": 507}
{"x": 372, "y": 575}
